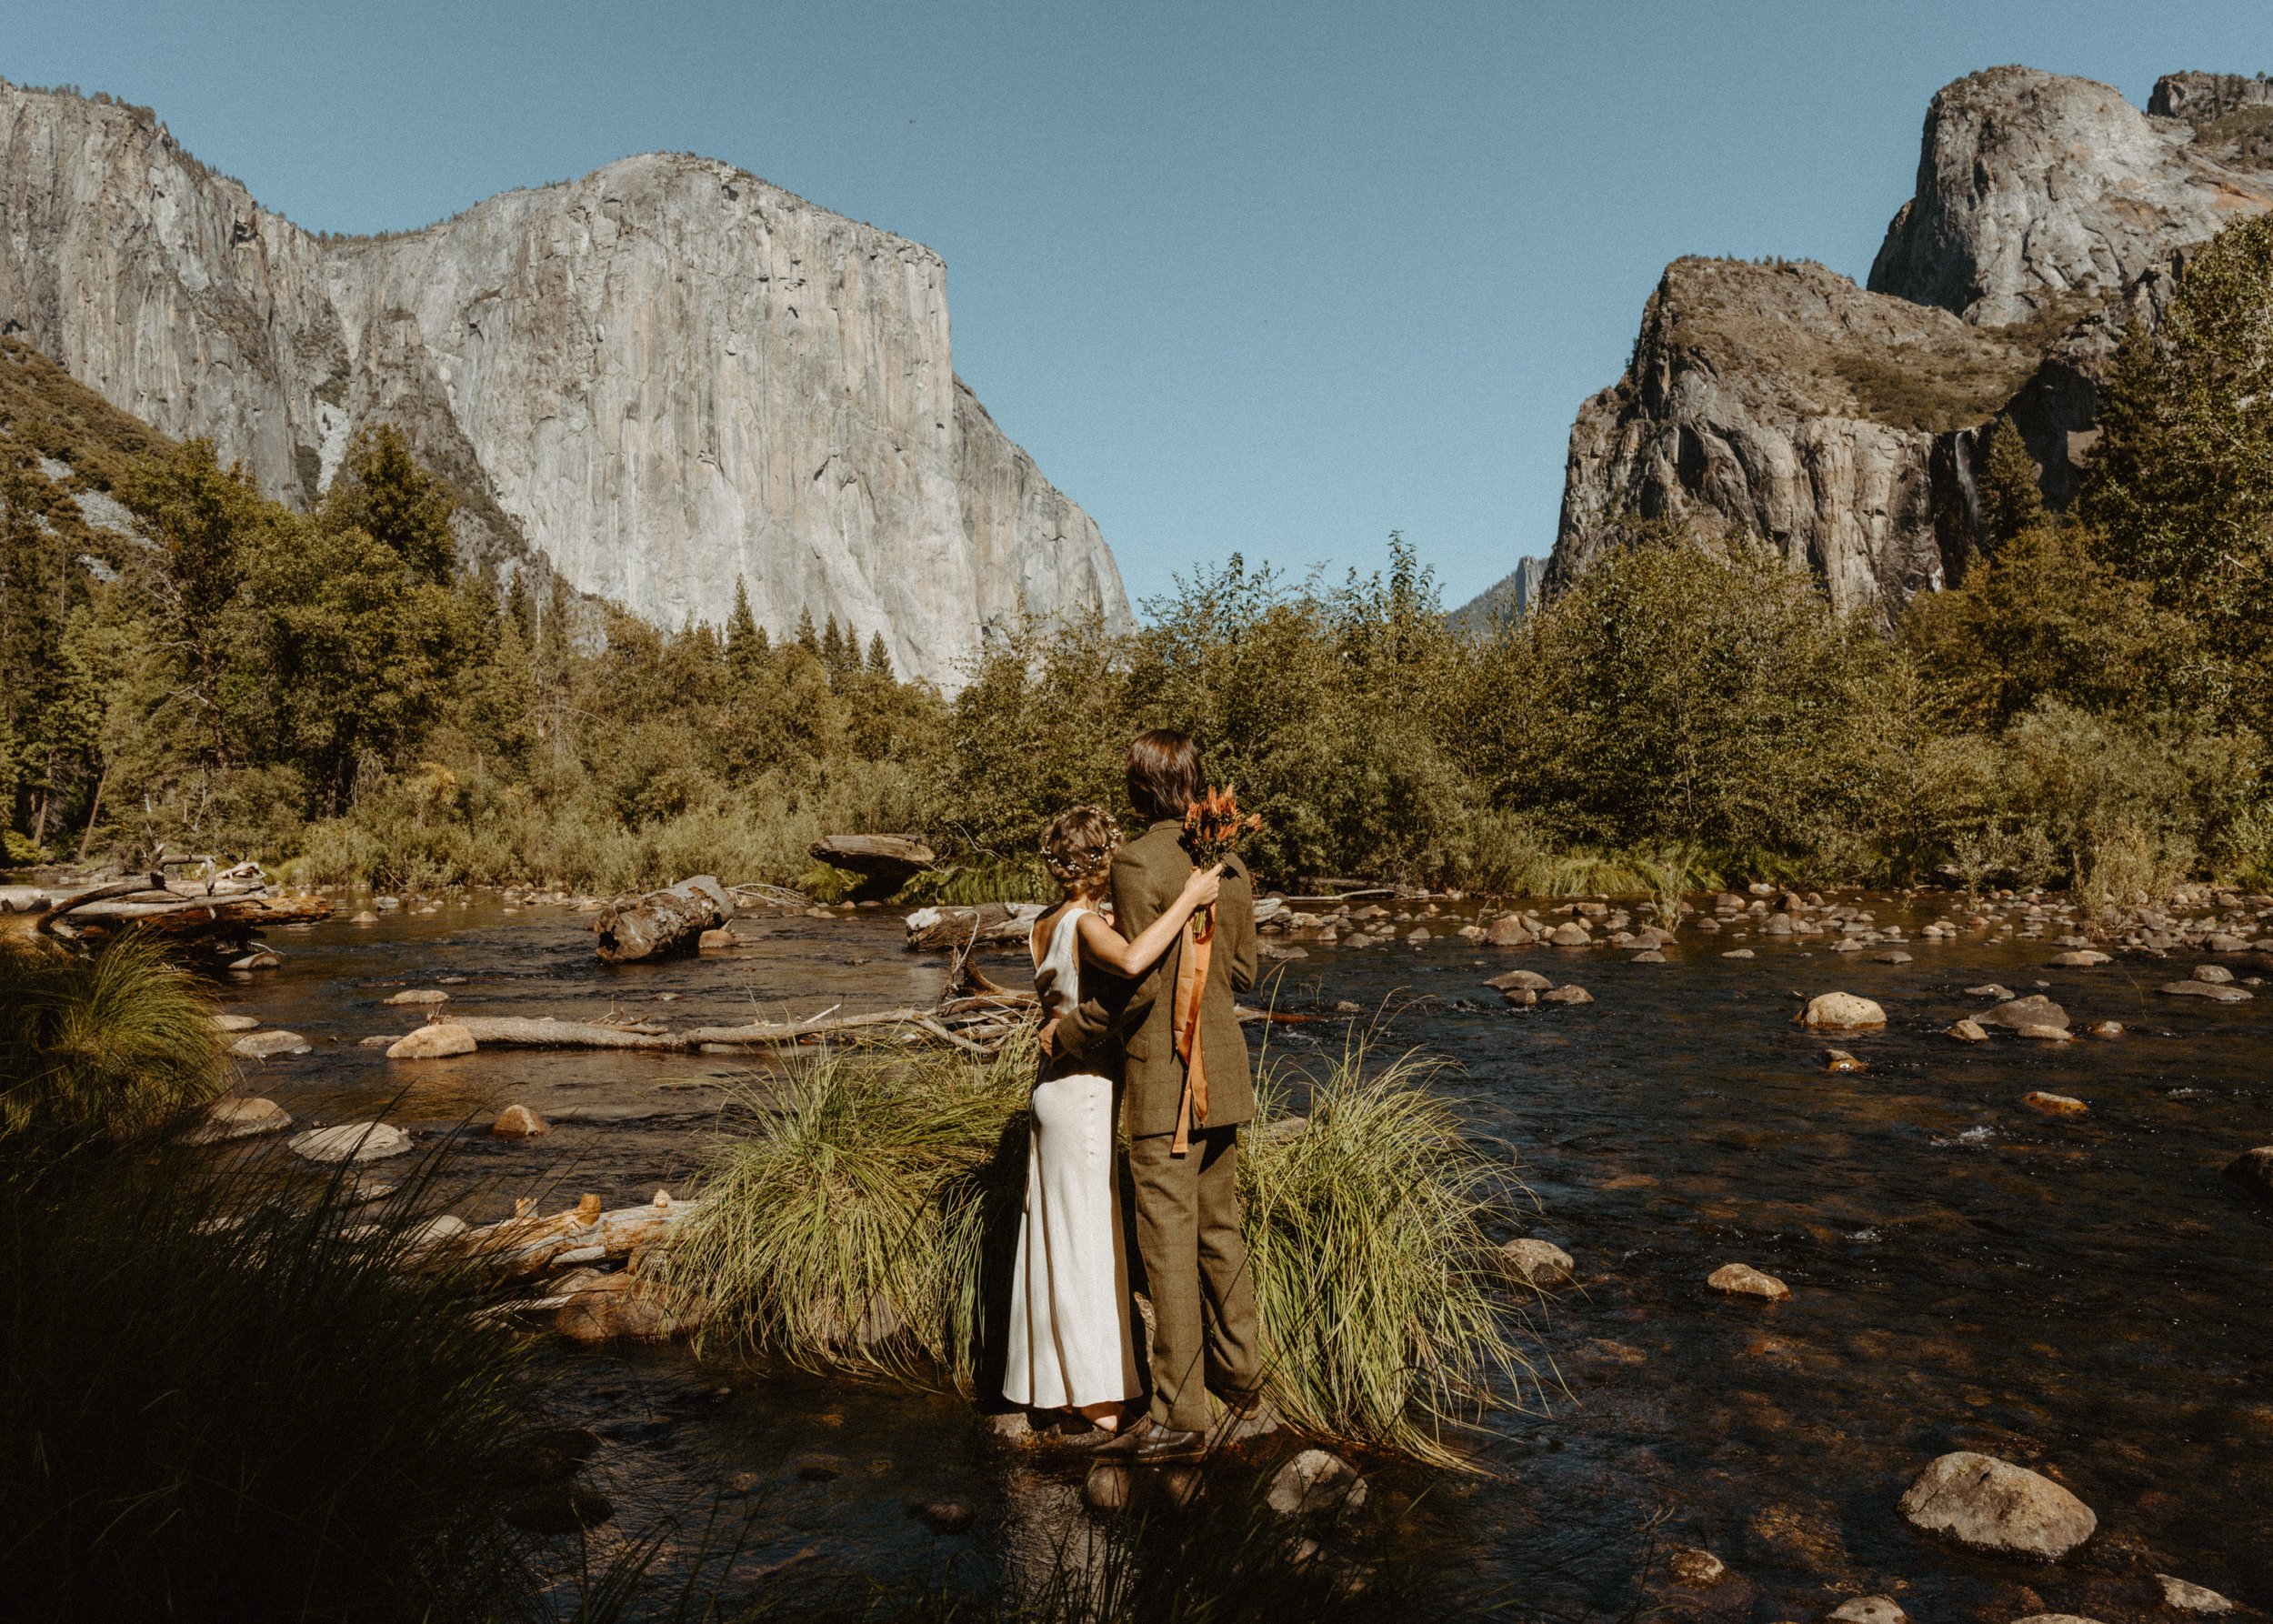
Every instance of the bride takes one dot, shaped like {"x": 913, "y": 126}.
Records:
{"x": 1069, "y": 1346}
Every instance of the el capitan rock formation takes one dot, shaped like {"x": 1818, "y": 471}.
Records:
{"x": 663, "y": 377}
{"x": 1840, "y": 423}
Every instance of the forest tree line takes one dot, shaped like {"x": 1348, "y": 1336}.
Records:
{"x": 336, "y": 692}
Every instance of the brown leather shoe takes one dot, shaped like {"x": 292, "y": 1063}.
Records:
{"x": 1148, "y": 1443}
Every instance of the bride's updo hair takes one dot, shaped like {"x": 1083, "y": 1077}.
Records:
{"x": 1078, "y": 848}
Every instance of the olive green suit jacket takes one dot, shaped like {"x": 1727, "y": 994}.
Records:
{"x": 1134, "y": 1018}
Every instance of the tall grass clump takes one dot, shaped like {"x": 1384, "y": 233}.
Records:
{"x": 868, "y": 1225}
{"x": 1383, "y": 1321}
{"x": 108, "y": 1047}
{"x": 851, "y": 1231}
{"x": 226, "y": 1400}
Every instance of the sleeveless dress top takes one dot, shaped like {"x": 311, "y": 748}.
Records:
{"x": 1069, "y": 1343}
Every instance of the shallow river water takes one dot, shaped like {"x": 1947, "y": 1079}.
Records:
{"x": 2087, "y": 1296}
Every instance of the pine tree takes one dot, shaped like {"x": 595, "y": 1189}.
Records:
{"x": 383, "y": 491}
{"x": 2011, "y": 501}
{"x": 746, "y": 643}
{"x": 879, "y": 658}
{"x": 833, "y": 648}
{"x": 808, "y": 638}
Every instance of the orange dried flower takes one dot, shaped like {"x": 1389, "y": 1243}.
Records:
{"x": 1214, "y": 825}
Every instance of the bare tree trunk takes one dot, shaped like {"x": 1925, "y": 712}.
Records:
{"x": 94, "y": 811}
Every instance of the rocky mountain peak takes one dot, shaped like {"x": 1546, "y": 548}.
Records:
{"x": 2035, "y": 189}
{"x": 663, "y": 378}
{"x": 1840, "y": 425}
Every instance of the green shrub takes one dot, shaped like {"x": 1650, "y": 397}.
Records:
{"x": 226, "y": 1402}
{"x": 1382, "y": 1321}
{"x": 110, "y": 1046}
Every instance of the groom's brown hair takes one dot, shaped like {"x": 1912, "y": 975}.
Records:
{"x": 1164, "y": 773}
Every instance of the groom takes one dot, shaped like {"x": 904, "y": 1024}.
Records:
{"x": 1187, "y": 1198}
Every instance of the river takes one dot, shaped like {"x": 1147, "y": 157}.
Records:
{"x": 2087, "y": 1296}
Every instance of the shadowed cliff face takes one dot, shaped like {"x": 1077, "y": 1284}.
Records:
{"x": 1840, "y": 423}
{"x": 664, "y": 377}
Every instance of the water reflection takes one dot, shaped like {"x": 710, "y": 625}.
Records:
{"x": 2086, "y": 1296}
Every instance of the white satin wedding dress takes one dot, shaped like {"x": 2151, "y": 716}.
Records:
{"x": 1069, "y": 1341}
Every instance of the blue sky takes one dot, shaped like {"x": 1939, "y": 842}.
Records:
{"x": 1274, "y": 279}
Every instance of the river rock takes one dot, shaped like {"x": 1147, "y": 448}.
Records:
{"x": 721, "y": 940}
{"x": 1107, "y": 1487}
{"x": 432, "y": 1042}
{"x": 419, "y": 995}
{"x": 1572, "y": 995}
{"x": 1893, "y": 956}
{"x": 1739, "y": 953}
{"x": 262, "y": 961}
{"x": 2057, "y": 1618}
{"x": 1994, "y": 1505}
{"x": 1314, "y": 1480}
{"x": 1538, "y": 1263}
{"x": 1515, "y": 980}
{"x": 2105, "y": 1029}
{"x": 235, "y": 1023}
{"x": 1966, "y": 1031}
{"x": 1570, "y": 933}
{"x": 2216, "y": 992}
{"x": 2181, "y": 1597}
{"x": 1508, "y": 931}
{"x": 2035, "y": 1010}
{"x": 1842, "y": 1011}
{"x": 2254, "y": 1169}
{"x": 352, "y": 1142}
{"x": 2217, "y": 975}
{"x": 2054, "y": 1105}
{"x": 2043, "y": 1033}
{"x": 236, "y": 1118}
{"x": 2079, "y": 958}
{"x": 1699, "y": 1570}
{"x": 518, "y": 1122}
{"x": 268, "y": 1046}
{"x": 1741, "y": 1279}
{"x": 1522, "y": 997}
{"x": 621, "y": 1307}
{"x": 365, "y": 917}
{"x": 1990, "y": 989}
{"x": 1868, "y": 1610}
{"x": 1838, "y": 1059}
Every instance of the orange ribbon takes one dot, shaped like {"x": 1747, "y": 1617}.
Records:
{"x": 1191, "y": 988}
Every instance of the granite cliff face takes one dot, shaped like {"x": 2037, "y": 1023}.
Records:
{"x": 661, "y": 378}
{"x": 1841, "y": 423}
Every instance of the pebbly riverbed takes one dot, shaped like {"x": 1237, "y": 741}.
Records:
{"x": 2084, "y": 1295}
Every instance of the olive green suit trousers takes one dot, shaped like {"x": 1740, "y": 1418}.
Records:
{"x": 1188, "y": 1207}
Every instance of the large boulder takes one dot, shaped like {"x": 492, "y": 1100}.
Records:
{"x": 1842, "y": 1012}
{"x": 623, "y": 1308}
{"x": 1539, "y": 1263}
{"x": 1314, "y": 1480}
{"x": 268, "y": 1046}
{"x": 1741, "y": 1279}
{"x": 235, "y": 1118}
{"x": 1992, "y": 1505}
{"x": 2217, "y": 992}
{"x": 2254, "y": 1169}
{"x": 352, "y": 1142}
{"x": 2036, "y": 1010}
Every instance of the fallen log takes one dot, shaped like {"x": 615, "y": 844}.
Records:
{"x": 886, "y": 859}
{"x": 545, "y": 1032}
{"x": 668, "y": 921}
{"x": 526, "y": 1245}
{"x": 932, "y": 929}
{"x": 176, "y": 909}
